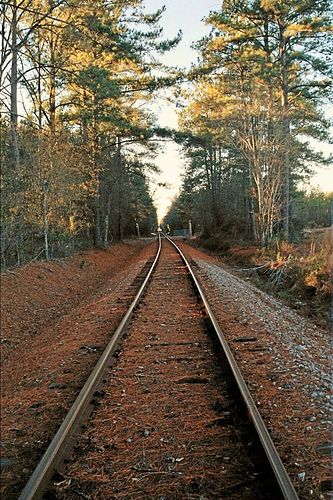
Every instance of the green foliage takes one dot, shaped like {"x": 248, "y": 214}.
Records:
{"x": 80, "y": 178}
{"x": 255, "y": 99}
{"x": 312, "y": 209}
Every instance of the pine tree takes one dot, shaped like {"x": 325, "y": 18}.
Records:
{"x": 88, "y": 68}
{"x": 255, "y": 87}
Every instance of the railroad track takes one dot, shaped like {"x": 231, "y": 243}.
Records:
{"x": 166, "y": 417}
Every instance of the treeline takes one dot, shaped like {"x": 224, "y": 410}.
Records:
{"x": 78, "y": 138}
{"x": 311, "y": 209}
{"x": 76, "y": 134}
{"x": 256, "y": 100}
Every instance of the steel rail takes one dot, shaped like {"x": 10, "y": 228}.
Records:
{"x": 65, "y": 437}
{"x": 286, "y": 487}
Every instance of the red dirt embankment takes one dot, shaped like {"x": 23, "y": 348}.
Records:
{"x": 38, "y": 293}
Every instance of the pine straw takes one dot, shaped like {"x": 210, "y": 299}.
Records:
{"x": 198, "y": 451}
{"x": 286, "y": 411}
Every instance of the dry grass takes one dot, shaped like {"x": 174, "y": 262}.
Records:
{"x": 297, "y": 273}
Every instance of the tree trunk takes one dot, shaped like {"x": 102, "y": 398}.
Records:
{"x": 107, "y": 220}
{"x": 14, "y": 157}
{"x": 15, "y": 154}
{"x": 39, "y": 87}
{"x": 286, "y": 135}
{"x": 98, "y": 231}
{"x": 98, "y": 222}
{"x": 46, "y": 221}
{"x": 253, "y": 221}
{"x": 52, "y": 83}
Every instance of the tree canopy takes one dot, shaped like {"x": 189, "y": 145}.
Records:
{"x": 77, "y": 153}
{"x": 78, "y": 135}
{"x": 264, "y": 73}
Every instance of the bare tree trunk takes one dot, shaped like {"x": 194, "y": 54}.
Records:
{"x": 107, "y": 220}
{"x": 98, "y": 222}
{"x": 286, "y": 134}
{"x": 52, "y": 140}
{"x": 14, "y": 157}
{"x": 253, "y": 221}
{"x": 46, "y": 221}
{"x": 52, "y": 83}
{"x": 39, "y": 86}
{"x": 98, "y": 232}
{"x": 15, "y": 153}
{"x": 42, "y": 181}
{"x": 106, "y": 229}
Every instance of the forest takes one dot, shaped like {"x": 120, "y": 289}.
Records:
{"x": 78, "y": 135}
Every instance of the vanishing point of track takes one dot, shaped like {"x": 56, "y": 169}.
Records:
{"x": 198, "y": 378}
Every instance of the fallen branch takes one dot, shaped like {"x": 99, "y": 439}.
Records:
{"x": 12, "y": 272}
{"x": 253, "y": 268}
{"x": 278, "y": 275}
{"x": 40, "y": 252}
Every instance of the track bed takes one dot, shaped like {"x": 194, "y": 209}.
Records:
{"x": 167, "y": 424}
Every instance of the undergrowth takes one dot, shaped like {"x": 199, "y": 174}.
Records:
{"x": 298, "y": 273}
{"x": 307, "y": 264}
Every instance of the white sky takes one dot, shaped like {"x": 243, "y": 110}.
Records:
{"x": 187, "y": 15}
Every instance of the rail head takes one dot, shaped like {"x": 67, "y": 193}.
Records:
{"x": 287, "y": 488}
